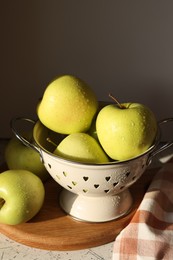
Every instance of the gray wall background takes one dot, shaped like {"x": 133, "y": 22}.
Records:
{"x": 122, "y": 47}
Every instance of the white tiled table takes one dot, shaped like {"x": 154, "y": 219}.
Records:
{"x": 10, "y": 249}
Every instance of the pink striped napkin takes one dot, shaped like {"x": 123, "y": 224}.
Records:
{"x": 149, "y": 235}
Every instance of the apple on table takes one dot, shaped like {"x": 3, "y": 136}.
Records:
{"x": 22, "y": 195}
{"x": 20, "y": 156}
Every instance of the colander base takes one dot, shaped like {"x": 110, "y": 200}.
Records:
{"x": 96, "y": 209}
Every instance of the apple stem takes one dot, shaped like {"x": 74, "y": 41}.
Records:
{"x": 120, "y": 105}
{"x": 50, "y": 141}
{"x": 2, "y": 201}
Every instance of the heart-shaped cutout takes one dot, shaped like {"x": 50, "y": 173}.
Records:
{"x": 107, "y": 178}
{"x": 127, "y": 174}
{"x": 65, "y": 174}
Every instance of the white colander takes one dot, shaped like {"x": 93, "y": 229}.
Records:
{"x": 91, "y": 192}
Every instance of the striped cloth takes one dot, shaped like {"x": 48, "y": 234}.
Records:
{"x": 149, "y": 235}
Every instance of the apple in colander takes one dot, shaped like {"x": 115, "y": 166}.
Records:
{"x": 126, "y": 130}
{"x": 81, "y": 147}
{"x": 68, "y": 105}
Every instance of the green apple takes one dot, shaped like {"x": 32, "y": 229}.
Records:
{"x": 81, "y": 147}
{"x": 20, "y": 156}
{"x": 68, "y": 105}
{"x": 21, "y": 196}
{"x": 126, "y": 130}
{"x": 92, "y": 130}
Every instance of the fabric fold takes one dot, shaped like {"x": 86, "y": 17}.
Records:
{"x": 149, "y": 235}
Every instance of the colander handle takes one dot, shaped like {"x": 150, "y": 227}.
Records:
{"x": 163, "y": 145}
{"x": 13, "y": 124}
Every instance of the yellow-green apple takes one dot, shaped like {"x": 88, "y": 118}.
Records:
{"x": 68, "y": 105}
{"x": 81, "y": 147}
{"x": 126, "y": 130}
{"x": 21, "y": 196}
{"x": 20, "y": 156}
{"x": 92, "y": 130}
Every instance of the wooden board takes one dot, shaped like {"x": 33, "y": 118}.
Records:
{"x": 52, "y": 229}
